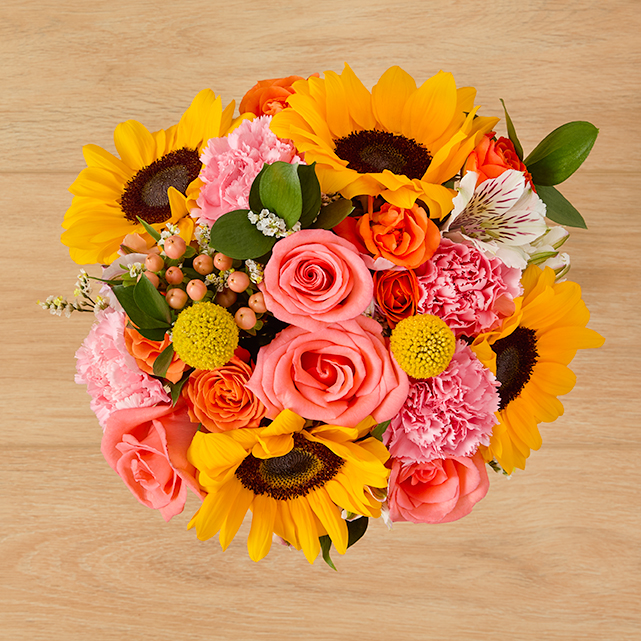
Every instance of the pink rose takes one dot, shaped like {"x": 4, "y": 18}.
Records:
{"x": 339, "y": 375}
{"x": 440, "y": 491}
{"x": 314, "y": 277}
{"x": 147, "y": 447}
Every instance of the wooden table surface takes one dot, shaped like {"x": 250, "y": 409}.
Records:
{"x": 552, "y": 553}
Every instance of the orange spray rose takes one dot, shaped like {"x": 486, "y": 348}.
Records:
{"x": 492, "y": 157}
{"x": 219, "y": 399}
{"x": 146, "y": 351}
{"x": 397, "y": 293}
{"x": 268, "y": 97}
{"x": 405, "y": 237}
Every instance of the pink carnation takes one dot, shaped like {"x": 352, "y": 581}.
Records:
{"x": 468, "y": 290}
{"x": 230, "y": 165}
{"x": 447, "y": 415}
{"x": 114, "y": 380}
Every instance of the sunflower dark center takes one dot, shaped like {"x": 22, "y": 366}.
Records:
{"x": 145, "y": 195}
{"x": 372, "y": 151}
{"x": 308, "y": 466}
{"x": 516, "y": 356}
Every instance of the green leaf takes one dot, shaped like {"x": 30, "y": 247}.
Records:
{"x": 163, "y": 361}
{"x": 234, "y": 236}
{"x": 561, "y": 153}
{"x": 334, "y": 213}
{"x": 151, "y": 302}
{"x": 326, "y": 546}
{"x": 511, "y": 132}
{"x": 153, "y": 333}
{"x": 379, "y": 430}
{"x": 190, "y": 252}
{"x": 559, "y": 208}
{"x": 176, "y": 388}
{"x": 137, "y": 316}
{"x": 310, "y": 188}
{"x": 280, "y": 192}
{"x": 255, "y": 203}
{"x": 356, "y": 529}
{"x": 149, "y": 229}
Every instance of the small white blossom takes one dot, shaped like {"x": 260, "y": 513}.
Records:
{"x": 255, "y": 270}
{"x": 202, "y": 235}
{"x": 135, "y": 269}
{"x": 269, "y": 224}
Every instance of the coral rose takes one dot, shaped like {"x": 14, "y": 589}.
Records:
{"x": 405, "y": 237}
{"x": 396, "y": 293}
{"x": 147, "y": 447}
{"x": 492, "y": 157}
{"x": 220, "y": 400}
{"x": 145, "y": 352}
{"x": 268, "y": 97}
{"x": 440, "y": 491}
{"x": 314, "y": 277}
{"x": 339, "y": 375}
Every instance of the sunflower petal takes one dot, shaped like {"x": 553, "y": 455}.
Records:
{"x": 235, "y": 516}
{"x": 359, "y": 99}
{"x": 389, "y": 96}
{"x": 262, "y": 527}
{"x": 305, "y": 528}
{"x": 135, "y": 145}
{"x": 329, "y": 514}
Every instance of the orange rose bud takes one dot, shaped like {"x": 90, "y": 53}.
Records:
{"x": 405, "y": 237}
{"x": 397, "y": 294}
{"x": 146, "y": 351}
{"x": 492, "y": 157}
{"x": 268, "y": 97}
{"x": 219, "y": 400}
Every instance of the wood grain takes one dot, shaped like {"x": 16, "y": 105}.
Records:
{"x": 552, "y": 553}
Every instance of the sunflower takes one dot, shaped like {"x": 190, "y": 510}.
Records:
{"x": 295, "y": 481}
{"x": 153, "y": 179}
{"x": 399, "y": 142}
{"x": 529, "y": 355}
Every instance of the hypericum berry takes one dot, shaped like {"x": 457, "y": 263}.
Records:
{"x": 245, "y": 318}
{"x": 257, "y": 303}
{"x": 176, "y": 298}
{"x": 226, "y": 298}
{"x": 204, "y": 264}
{"x": 222, "y": 262}
{"x": 175, "y": 246}
{"x": 154, "y": 263}
{"x": 196, "y": 289}
{"x": 153, "y": 279}
{"x": 174, "y": 275}
{"x": 238, "y": 282}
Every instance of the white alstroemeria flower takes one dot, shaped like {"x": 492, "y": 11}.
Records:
{"x": 499, "y": 217}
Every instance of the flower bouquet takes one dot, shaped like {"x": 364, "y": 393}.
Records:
{"x": 336, "y": 306}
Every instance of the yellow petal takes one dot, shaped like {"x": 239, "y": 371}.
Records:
{"x": 98, "y": 157}
{"x": 201, "y": 121}
{"x": 262, "y": 527}
{"x": 305, "y": 528}
{"x": 338, "y": 119}
{"x": 553, "y": 378}
{"x": 329, "y": 514}
{"x": 389, "y": 96}
{"x": 359, "y": 99}
{"x": 135, "y": 144}
{"x": 238, "y": 510}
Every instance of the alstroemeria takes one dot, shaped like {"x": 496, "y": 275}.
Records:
{"x": 499, "y": 217}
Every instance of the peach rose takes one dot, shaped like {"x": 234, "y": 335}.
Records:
{"x": 147, "y": 447}
{"x": 340, "y": 374}
{"x": 314, "y": 277}
{"x": 440, "y": 491}
{"x": 145, "y": 352}
{"x": 268, "y": 97}
{"x": 405, "y": 237}
{"x": 492, "y": 157}
{"x": 397, "y": 294}
{"x": 220, "y": 400}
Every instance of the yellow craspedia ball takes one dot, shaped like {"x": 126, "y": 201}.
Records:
{"x": 422, "y": 345}
{"x": 205, "y": 336}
